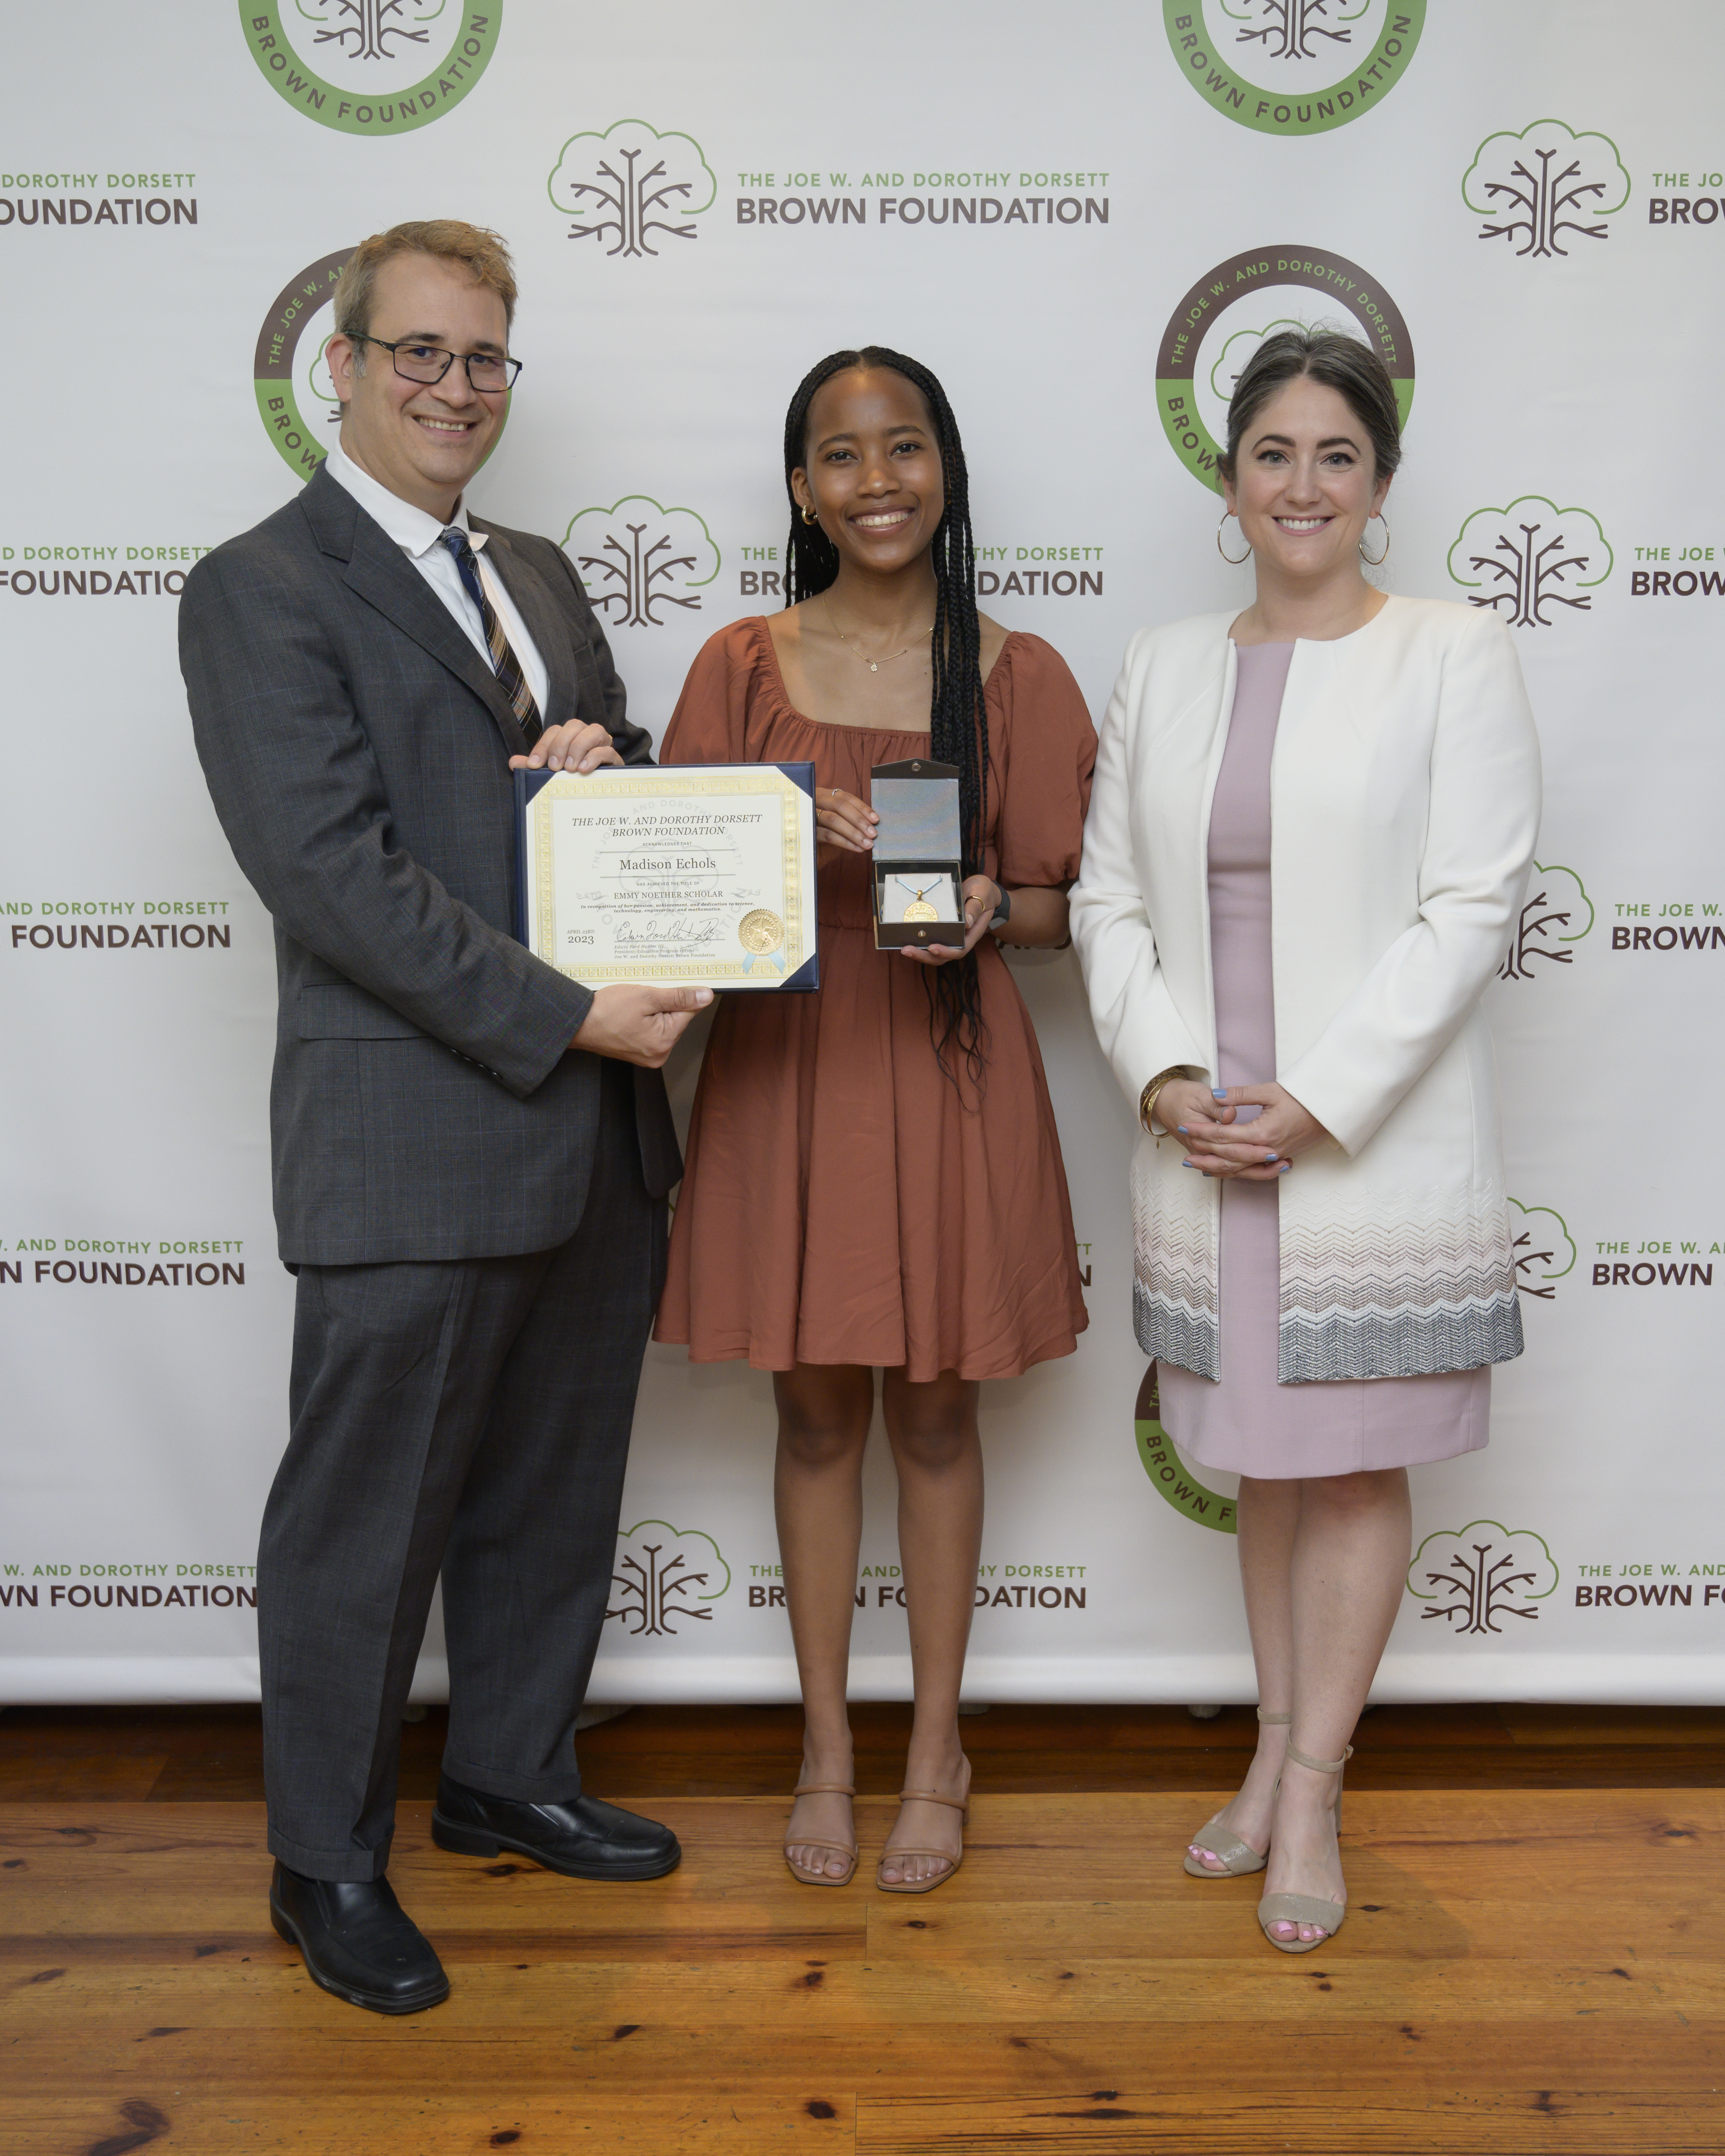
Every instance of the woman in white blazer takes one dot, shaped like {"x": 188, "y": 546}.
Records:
{"x": 1310, "y": 833}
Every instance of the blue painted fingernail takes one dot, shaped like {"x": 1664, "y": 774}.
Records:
{"x": 1284, "y": 1167}
{"x": 1191, "y": 1163}
{"x": 1272, "y": 1156}
{"x": 1181, "y": 1130}
{"x": 1218, "y": 1093}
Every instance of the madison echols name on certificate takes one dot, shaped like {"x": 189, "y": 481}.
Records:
{"x": 703, "y": 873}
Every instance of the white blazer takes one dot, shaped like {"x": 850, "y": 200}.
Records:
{"x": 1405, "y": 805}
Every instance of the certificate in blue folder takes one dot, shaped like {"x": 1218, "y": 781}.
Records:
{"x": 679, "y": 873}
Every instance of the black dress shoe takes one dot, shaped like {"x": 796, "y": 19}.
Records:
{"x": 358, "y": 1942}
{"x": 585, "y": 1838}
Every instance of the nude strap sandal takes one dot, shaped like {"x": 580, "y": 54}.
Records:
{"x": 960, "y": 1804}
{"x": 846, "y": 1850}
{"x": 1307, "y": 1908}
{"x": 1236, "y": 1857}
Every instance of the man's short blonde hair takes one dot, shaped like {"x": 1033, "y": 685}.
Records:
{"x": 445, "y": 239}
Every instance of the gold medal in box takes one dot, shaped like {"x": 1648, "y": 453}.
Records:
{"x": 918, "y": 854}
{"x": 908, "y": 900}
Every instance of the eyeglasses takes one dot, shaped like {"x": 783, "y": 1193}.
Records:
{"x": 430, "y": 362}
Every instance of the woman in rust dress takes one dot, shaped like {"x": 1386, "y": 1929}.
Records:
{"x": 873, "y": 1176}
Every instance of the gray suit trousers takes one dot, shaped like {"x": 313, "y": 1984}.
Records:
{"x": 471, "y": 1414}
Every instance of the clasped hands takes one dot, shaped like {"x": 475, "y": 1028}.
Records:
{"x": 847, "y": 824}
{"x": 1218, "y": 1143}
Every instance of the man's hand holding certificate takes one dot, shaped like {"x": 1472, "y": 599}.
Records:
{"x": 700, "y": 874}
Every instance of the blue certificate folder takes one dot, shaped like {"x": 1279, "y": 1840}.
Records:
{"x": 528, "y": 784}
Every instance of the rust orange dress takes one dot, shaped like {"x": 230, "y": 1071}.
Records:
{"x": 844, "y": 1201}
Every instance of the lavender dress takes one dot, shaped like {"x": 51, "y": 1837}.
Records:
{"x": 1249, "y": 1423}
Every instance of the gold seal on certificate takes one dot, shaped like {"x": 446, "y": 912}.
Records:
{"x": 760, "y": 932}
{"x": 677, "y": 874}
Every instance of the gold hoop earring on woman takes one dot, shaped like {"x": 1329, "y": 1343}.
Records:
{"x": 1374, "y": 560}
{"x": 1234, "y": 561}
{"x": 809, "y": 514}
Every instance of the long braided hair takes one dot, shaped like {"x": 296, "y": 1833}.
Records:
{"x": 958, "y": 730}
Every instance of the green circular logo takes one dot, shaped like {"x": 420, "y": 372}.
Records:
{"x": 1229, "y": 312}
{"x": 371, "y": 67}
{"x": 1293, "y": 66}
{"x": 1170, "y": 1477}
{"x": 290, "y": 372}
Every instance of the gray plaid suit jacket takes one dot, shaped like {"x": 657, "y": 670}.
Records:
{"x": 425, "y": 1103}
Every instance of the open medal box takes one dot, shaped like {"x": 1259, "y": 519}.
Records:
{"x": 919, "y": 863}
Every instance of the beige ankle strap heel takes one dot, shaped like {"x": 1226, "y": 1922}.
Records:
{"x": 1312, "y": 1909}
{"x": 1237, "y": 1858}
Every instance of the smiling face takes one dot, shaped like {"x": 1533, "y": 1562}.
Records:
{"x": 1304, "y": 486}
{"x": 423, "y": 440}
{"x": 872, "y": 473}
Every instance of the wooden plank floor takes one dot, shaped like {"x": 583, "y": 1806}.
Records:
{"x": 1533, "y": 1963}
{"x": 182, "y": 1753}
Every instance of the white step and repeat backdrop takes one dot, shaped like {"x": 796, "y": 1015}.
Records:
{"x": 1083, "y": 217}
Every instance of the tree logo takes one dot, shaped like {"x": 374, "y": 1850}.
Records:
{"x": 1556, "y": 915}
{"x": 1237, "y": 351}
{"x": 1472, "y": 1576}
{"x": 297, "y": 398}
{"x": 637, "y": 557}
{"x": 1544, "y": 1250}
{"x": 632, "y": 187}
{"x": 1170, "y": 1477}
{"x": 371, "y": 67}
{"x": 1293, "y": 66}
{"x": 1522, "y": 559}
{"x": 666, "y": 1576}
{"x": 1227, "y": 314}
{"x": 1546, "y": 187}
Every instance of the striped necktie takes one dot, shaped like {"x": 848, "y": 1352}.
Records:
{"x": 507, "y": 667}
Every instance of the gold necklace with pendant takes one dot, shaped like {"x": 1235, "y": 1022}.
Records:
{"x": 874, "y": 665}
{"x": 918, "y": 908}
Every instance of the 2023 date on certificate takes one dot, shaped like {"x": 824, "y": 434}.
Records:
{"x": 689, "y": 873}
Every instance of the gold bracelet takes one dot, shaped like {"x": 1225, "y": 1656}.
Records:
{"x": 1148, "y": 1099}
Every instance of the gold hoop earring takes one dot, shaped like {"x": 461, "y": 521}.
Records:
{"x": 1375, "y": 561}
{"x": 1234, "y": 561}
{"x": 809, "y": 515}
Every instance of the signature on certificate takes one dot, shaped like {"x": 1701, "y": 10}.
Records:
{"x": 677, "y": 931}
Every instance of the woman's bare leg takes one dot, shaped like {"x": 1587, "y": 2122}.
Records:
{"x": 824, "y": 1411}
{"x": 1350, "y": 1564}
{"x": 932, "y": 1428}
{"x": 1266, "y": 1517}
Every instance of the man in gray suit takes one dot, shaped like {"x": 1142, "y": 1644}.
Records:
{"x": 471, "y": 1153}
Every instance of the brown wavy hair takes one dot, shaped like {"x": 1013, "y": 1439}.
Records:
{"x": 1354, "y": 371}
{"x": 445, "y": 239}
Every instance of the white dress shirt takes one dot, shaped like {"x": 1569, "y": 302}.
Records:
{"x": 420, "y": 538}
